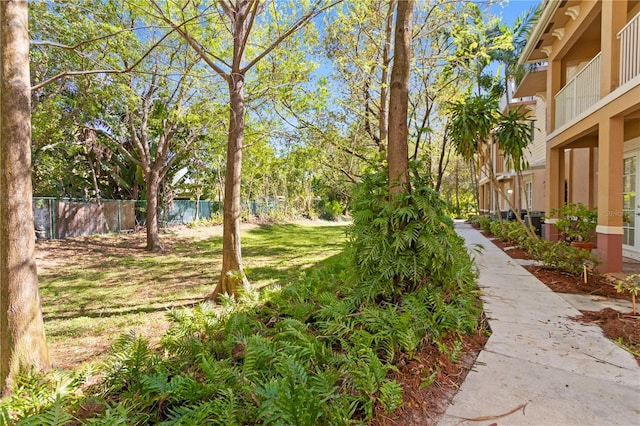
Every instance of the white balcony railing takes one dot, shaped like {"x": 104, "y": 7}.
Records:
{"x": 630, "y": 50}
{"x": 580, "y": 93}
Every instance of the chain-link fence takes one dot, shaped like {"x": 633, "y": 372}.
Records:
{"x": 57, "y": 218}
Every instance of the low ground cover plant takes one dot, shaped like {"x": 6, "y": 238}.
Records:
{"x": 316, "y": 351}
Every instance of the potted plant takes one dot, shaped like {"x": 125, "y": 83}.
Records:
{"x": 577, "y": 224}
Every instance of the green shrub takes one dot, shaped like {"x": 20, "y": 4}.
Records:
{"x": 498, "y": 229}
{"x": 318, "y": 351}
{"x": 560, "y": 255}
{"x": 576, "y": 222}
{"x": 399, "y": 245}
{"x": 331, "y": 210}
{"x": 485, "y": 223}
{"x": 516, "y": 233}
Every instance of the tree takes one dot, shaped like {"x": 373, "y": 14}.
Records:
{"x": 22, "y": 338}
{"x": 477, "y": 129}
{"x": 358, "y": 40}
{"x": 239, "y": 18}
{"x": 71, "y": 37}
{"x": 398, "y": 148}
{"x": 431, "y": 88}
{"x": 160, "y": 127}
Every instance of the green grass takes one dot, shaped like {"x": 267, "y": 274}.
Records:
{"x": 110, "y": 289}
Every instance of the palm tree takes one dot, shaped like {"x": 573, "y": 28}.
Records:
{"x": 477, "y": 127}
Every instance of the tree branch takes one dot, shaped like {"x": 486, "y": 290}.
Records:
{"x": 200, "y": 51}
{"x": 297, "y": 25}
{"x": 88, "y": 72}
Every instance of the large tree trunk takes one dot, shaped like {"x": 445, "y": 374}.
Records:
{"x": 232, "y": 270}
{"x": 22, "y": 340}
{"x": 153, "y": 184}
{"x": 398, "y": 152}
{"x": 383, "y": 124}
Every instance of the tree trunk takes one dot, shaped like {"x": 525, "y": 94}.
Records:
{"x": 457, "y": 183}
{"x": 232, "y": 270}
{"x": 153, "y": 184}
{"x": 383, "y": 125}
{"x": 22, "y": 340}
{"x": 398, "y": 151}
{"x": 196, "y": 215}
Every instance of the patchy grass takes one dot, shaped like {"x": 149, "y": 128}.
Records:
{"x": 96, "y": 288}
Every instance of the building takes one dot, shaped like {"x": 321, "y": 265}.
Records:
{"x": 585, "y": 68}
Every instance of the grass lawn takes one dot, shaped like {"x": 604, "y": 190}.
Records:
{"x": 95, "y": 288}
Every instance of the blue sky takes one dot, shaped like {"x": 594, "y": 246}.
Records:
{"x": 509, "y": 11}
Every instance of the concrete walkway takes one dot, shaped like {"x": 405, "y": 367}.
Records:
{"x": 539, "y": 367}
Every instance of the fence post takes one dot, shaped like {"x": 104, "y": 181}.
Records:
{"x": 53, "y": 218}
{"x": 119, "y": 217}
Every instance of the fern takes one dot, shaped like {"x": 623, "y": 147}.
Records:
{"x": 54, "y": 415}
{"x": 390, "y": 395}
{"x": 130, "y": 357}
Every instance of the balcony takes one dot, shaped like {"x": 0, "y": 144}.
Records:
{"x": 513, "y": 100}
{"x": 580, "y": 93}
{"x": 630, "y": 50}
{"x": 583, "y": 91}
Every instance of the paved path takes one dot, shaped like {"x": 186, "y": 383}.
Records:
{"x": 538, "y": 365}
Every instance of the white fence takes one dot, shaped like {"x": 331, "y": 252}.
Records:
{"x": 630, "y": 50}
{"x": 580, "y": 93}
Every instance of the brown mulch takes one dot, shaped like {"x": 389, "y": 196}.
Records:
{"x": 616, "y": 325}
{"x": 422, "y": 404}
{"x": 560, "y": 282}
{"x": 513, "y": 251}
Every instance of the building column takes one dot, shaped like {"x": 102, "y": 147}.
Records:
{"x": 609, "y": 230}
{"x": 614, "y": 18}
{"x": 555, "y": 190}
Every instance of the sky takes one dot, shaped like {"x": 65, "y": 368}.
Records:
{"x": 509, "y": 11}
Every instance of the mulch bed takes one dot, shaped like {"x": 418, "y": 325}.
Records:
{"x": 616, "y": 325}
{"x": 425, "y": 405}
{"x": 561, "y": 282}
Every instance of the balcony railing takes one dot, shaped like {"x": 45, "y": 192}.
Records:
{"x": 580, "y": 93}
{"x": 630, "y": 50}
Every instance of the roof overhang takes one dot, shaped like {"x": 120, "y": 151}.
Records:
{"x": 554, "y": 17}
{"x": 532, "y": 83}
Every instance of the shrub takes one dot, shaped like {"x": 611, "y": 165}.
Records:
{"x": 318, "y": 351}
{"x": 474, "y": 220}
{"x": 559, "y": 255}
{"x": 498, "y": 229}
{"x": 516, "y": 233}
{"x": 331, "y": 210}
{"x": 485, "y": 223}
{"x": 399, "y": 245}
{"x": 631, "y": 285}
{"x": 576, "y": 222}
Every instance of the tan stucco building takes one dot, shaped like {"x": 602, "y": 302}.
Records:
{"x": 585, "y": 74}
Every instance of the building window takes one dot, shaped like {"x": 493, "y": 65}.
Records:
{"x": 528, "y": 192}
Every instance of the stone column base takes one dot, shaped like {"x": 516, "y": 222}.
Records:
{"x": 609, "y": 252}
{"x": 551, "y": 233}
